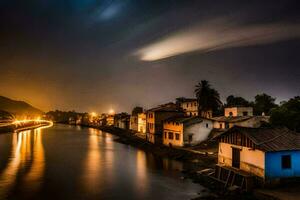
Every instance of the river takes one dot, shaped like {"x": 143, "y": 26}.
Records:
{"x": 68, "y": 162}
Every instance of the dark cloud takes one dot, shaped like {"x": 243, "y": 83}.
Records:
{"x": 78, "y": 54}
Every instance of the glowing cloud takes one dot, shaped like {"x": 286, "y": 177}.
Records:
{"x": 218, "y": 34}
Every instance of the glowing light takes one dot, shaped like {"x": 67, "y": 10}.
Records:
{"x": 93, "y": 114}
{"x": 111, "y": 112}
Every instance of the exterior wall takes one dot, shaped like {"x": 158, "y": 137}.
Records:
{"x": 190, "y": 108}
{"x": 142, "y": 123}
{"x": 134, "y": 122}
{"x": 252, "y": 161}
{"x": 199, "y": 132}
{"x": 238, "y": 111}
{"x": 173, "y": 128}
{"x": 151, "y": 122}
{"x": 155, "y": 125}
{"x": 219, "y": 125}
{"x": 274, "y": 168}
{"x": 110, "y": 120}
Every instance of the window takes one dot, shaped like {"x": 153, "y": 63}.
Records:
{"x": 230, "y": 114}
{"x": 165, "y": 135}
{"x": 221, "y": 125}
{"x": 190, "y": 138}
{"x": 195, "y": 104}
{"x": 171, "y": 135}
{"x": 206, "y": 125}
{"x": 226, "y": 125}
{"x": 177, "y": 136}
{"x": 245, "y": 113}
{"x": 286, "y": 162}
{"x": 177, "y": 123}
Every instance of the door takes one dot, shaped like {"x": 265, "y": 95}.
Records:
{"x": 235, "y": 157}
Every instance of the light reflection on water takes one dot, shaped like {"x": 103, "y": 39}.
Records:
{"x": 24, "y": 150}
{"x": 65, "y": 162}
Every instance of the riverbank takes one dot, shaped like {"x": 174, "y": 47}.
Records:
{"x": 23, "y": 126}
{"x": 199, "y": 164}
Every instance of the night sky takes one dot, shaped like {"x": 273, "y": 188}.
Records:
{"x": 90, "y": 55}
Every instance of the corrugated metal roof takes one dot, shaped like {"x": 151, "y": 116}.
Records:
{"x": 232, "y": 119}
{"x": 269, "y": 138}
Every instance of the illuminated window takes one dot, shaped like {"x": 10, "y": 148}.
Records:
{"x": 286, "y": 162}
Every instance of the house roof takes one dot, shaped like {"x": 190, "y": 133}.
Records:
{"x": 183, "y": 99}
{"x": 185, "y": 120}
{"x": 231, "y": 119}
{"x": 169, "y": 107}
{"x": 269, "y": 138}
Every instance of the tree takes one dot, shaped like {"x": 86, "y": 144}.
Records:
{"x": 208, "y": 98}
{"x": 236, "y": 101}
{"x": 287, "y": 114}
{"x": 136, "y": 110}
{"x": 263, "y": 104}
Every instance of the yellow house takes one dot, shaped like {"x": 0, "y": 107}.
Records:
{"x": 110, "y": 120}
{"x": 133, "y": 123}
{"x": 183, "y": 131}
{"x": 238, "y": 111}
{"x": 155, "y": 118}
{"x": 142, "y": 123}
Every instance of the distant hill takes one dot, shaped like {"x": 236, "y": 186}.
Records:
{"x": 18, "y": 108}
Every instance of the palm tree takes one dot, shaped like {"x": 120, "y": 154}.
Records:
{"x": 208, "y": 98}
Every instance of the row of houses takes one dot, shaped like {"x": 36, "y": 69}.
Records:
{"x": 246, "y": 149}
{"x": 180, "y": 124}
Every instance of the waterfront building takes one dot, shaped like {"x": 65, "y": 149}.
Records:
{"x": 133, "y": 123}
{"x": 142, "y": 123}
{"x": 155, "y": 119}
{"x": 110, "y": 120}
{"x": 122, "y": 120}
{"x": 265, "y": 153}
{"x": 186, "y": 131}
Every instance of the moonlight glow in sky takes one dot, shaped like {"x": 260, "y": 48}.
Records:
{"x": 91, "y": 55}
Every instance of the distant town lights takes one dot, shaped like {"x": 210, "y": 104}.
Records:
{"x": 111, "y": 112}
{"x": 93, "y": 114}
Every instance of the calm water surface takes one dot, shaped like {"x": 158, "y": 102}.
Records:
{"x": 67, "y": 162}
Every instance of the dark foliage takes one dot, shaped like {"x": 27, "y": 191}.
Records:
{"x": 287, "y": 114}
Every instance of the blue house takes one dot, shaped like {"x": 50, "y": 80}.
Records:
{"x": 267, "y": 153}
